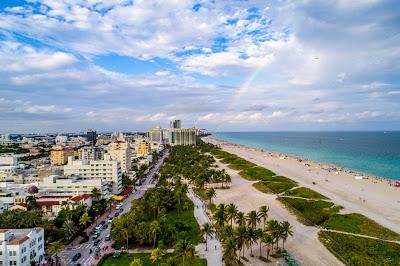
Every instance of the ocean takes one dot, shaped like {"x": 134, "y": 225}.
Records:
{"x": 374, "y": 153}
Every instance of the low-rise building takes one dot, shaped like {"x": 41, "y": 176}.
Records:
{"x": 107, "y": 169}
{"x": 73, "y": 185}
{"x": 18, "y": 247}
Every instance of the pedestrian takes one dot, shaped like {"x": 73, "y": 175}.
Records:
{"x": 215, "y": 247}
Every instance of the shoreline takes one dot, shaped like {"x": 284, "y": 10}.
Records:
{"x": 329, "y": 166}
{"x": 371, "y": 196}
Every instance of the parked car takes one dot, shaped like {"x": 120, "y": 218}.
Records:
{"x": 116, "y": 255}
{"x": 96, "y": 242}
{"x": 76, "y": 256}
{"x": 110, "y": 220}
{"x": 96, "y": 235}
{"x": 108, "y": 237}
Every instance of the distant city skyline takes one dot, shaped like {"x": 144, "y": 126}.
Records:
{"x": 66, "y": 66}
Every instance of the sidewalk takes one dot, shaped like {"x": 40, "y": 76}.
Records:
{"x": 214, "y": 253}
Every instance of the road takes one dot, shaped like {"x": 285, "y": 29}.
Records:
{"x": 88, "y": 257}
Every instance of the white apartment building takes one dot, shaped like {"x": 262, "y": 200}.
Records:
{"x": 9, "y": 160}
{"x": 182, "y": 136}
{"x": 18, "y": 247}
{"x": 121, "y": 151}
{"x": 72, "y": 185}
{"x": 107, "y": 169}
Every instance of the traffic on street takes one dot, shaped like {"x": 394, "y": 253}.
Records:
{"x": 100, "y": 236}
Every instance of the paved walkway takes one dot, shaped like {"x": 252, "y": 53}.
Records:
{"x": 359, "y": 235}
{"x": 214, "y": 253}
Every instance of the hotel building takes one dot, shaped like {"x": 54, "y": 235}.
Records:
{"x": 107, "y": 169}
{"x": 121, "y": 151}
{"x": 18, "y": 247}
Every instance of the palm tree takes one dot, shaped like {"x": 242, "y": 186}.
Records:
{"x": 251, "y": 239}
{"x": 157, "y": 255}
{"x": 259, "y": 233}
{"x": 210, "y": 194}
{"x": 136, "y": 262}
{"x": 285, "y": 232}
{"x": 30, "y": 202}
{"x": 96, "y": 193}
{"x": 110, "y": 202}
{"x": 229, "y": 250}
{"x": 55, "y": 248}
{"x": 69, "y": 229}
{"x": 126, "y": 234}
{"x": 185, "y": 249}
{"x": 268, "y": 241}
{"x": 252, "y": 219}
{"x": 220, "y": 215}
{"x": 273, "y": 227}
{"x": 208, "y": 231}
{"x": 154, "y": 230}
{"x": 84, "y": 220}
{"x": 231, "y": 211}
{"x": 240, "y": 237}
{"x": 263, "y": 213}
{"x": 240, "y": 218}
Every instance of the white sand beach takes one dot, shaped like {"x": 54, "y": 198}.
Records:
{"x": 304, "y": 246}
{"x": 370, "y": 196}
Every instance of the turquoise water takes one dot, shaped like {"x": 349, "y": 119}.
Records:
{"x": 375, "y": 153}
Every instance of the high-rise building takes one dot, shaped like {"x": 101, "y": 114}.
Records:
{"x": 20, "y": 247}
{"x": 61, "y": 140}
{"x": 175, "y": 124}
{"x": 91, "y": 153}
{"x": 182, "y": 136}
{"x": 156, "y": 134}
{"x": 143, "y": 146}
{"x": 121, "y": 151}
{"x": 59, "y": 155}
{"x": 91, "y": 136}
{"x": 107, "y": 169}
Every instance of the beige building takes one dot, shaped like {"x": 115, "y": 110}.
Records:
{"x": 143, "y": 146}
{"x": 59, "y": 155}
{"x": 156, "y": 134}
{"x": 121, "y": 151}
{"x": 91, "y": 153}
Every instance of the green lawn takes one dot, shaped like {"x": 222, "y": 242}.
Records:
{"x": 304, "y": 192}
{"x": 311, "y": 212}
{"x": 125, "y": 259}
{"x": 274, "y": 187}
{"x": 359, "y": 224}
{"x": 187, "y": 218}
{"x": 360, "y": 251}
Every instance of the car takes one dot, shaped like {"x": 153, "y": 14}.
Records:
{"x": 116, "y": 214}
{"x": 96, "y": 242}
{"x": 105, "y": 226}
{"x": 102, "y": 222}
{"x": 108, "y": 237}
{"x": 96, "y": 235}
{"x": 76, "y": 257}
{"x": 116, "y": 255}
{"x": 110, "y": 220}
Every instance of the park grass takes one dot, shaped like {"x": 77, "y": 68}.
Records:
{"x": 304, "y": 192}
{"x": 359, "y": 251}
{"x": 359, "y": 224}
{"x": 201, "y": 192}
{"x": 126, "y": 259}
{"x": 274, "y": 187}
{"x": 310, "y": 212}
{"x": 187, "y": 218}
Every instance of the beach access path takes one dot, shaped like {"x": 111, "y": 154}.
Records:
{"x": 371, "y": 197}
{"x": 214, "y": 253}
{"x": 304, "y": 246}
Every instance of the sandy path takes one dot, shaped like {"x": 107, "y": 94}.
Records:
{"x": 373, "y": 198}
{"x": 304, "y": 245}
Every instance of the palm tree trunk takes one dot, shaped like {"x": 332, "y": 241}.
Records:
{"x": 206, "y": 243}
{"x": 260, "y": 248}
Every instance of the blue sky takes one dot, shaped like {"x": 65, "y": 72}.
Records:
{"x": 224, "y": 65}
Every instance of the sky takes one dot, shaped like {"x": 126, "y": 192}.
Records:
{"x": 232, "y": 65}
